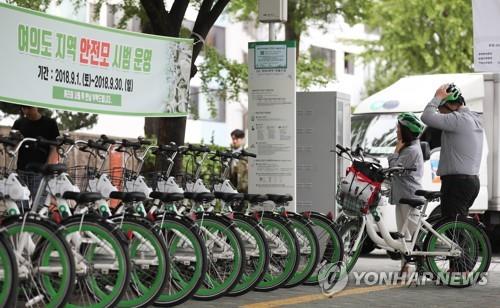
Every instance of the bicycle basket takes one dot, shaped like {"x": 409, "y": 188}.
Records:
{"x": 357, "y": 192}
{"x": 81, "y": 175}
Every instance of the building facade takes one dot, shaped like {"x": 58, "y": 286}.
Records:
{"x": 231, "y": 38}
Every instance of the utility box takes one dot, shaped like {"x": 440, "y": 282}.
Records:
{"x": 323, "y": 120}
{"x": 273, "y": 10}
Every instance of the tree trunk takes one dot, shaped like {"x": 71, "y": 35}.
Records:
{"x": 291, "y": 31}
{"x": 151, "y": 127}
{"x": 292, "y": 35}
{"x": 172, "y": 130}
{"x": 161, "y": 22}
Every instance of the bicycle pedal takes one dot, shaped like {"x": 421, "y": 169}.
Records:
{"x": 399, "y": 235}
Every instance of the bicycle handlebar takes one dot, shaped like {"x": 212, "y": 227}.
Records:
{"x": 43, "y": 141}
{"x": 171, "y": 147}
{"x": 8, "y": 141}
{"x": 198, "y": 148}
{"x": 106, "y": 140}
{"x": 130, "y": 144}
{"x": 96, "y": 145}
{"x": 143, "y": 141}
{"x": 248, "y": 154}
{"x": 65, "y": 139}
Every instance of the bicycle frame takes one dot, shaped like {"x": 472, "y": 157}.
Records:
{"x": 386, "y": 241}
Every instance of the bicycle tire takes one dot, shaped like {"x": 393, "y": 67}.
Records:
{"x": 10, "y": 280}
{"x": 349, "y": 231}
{"x": 176, "y": 231}
{"x": 329, "y": 238}
{"x": 308, "y": 249}
{"x": 108, "y": 237}
{"x": 148, "y": 275}
{"x": 40, "y": 254}
{"x": 223, "y": 226}
{"x": 254, "y": 271}
{"x": 271, "y": 221}
{"x": 463, "y": 264}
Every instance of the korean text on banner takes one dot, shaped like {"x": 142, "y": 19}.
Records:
{"x": 52, "y": 62}
{"x": 486, "y": 17}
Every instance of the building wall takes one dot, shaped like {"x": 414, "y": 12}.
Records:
{"x": 232, "y": 40}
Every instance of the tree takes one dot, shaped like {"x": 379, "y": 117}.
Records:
{"x": 304, "y": 13}
{"x": 67, "y": 120}
{"x": 159, "y": 19}
{"x": 418, "y": 37}
{"x": 230, "y": 78}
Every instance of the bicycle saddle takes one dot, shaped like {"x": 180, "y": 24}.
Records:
{"x": 199, "y": 197}
{"x": 414, "y": 203}
{"x": 133, "y": 196}
{"x": 429, "y": 195}
{"x": 166, "y": 197}
{"x": 47, "y": 169}
{"x": 255, "y": 198}
{"x": 82, "y": 197}
{"x": 279, "y": 198}
{"x": 228, "y": 197}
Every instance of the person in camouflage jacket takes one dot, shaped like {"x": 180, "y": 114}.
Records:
{"x": 239, "y": 168}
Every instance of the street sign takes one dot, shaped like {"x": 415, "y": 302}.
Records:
{"x": 486, "y": 21}
{"x": 52, "y": 62}
{"x": 273, "y": 10}
{"x": 272, "y": 114}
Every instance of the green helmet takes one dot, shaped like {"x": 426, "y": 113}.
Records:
{"x": 454, "y": 94}
{"x": 412, "y": 122}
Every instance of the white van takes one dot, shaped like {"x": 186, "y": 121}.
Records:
{"x": 373, "y": 126}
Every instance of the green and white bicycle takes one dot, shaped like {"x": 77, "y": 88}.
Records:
{"x": 456, "y": 252}
{"x": 45, "y": 263}
{"x": 147, "y": 249}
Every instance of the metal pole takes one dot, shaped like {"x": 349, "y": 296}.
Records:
{"x": 272, "y": 35}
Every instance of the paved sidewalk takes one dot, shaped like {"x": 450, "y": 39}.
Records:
{"x": 372, "y": 295}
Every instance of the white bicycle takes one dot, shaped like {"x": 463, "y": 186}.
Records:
{"x": 456, "y": 252}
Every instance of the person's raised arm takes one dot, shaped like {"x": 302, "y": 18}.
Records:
{"x": 433, "y": 118}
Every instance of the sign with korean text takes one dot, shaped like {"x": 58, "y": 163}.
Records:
{"x": 486, "y": 21}
{"x": 52, "y": 62}
{"x": 272, "y": 118}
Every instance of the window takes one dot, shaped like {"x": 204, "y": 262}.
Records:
{"x": 93, "y": 16}
{"x": 245, "y": 57}
{"x": 112, "y": 10}
{"x": 349, "y": 63}
{"x": 376, "y": 133}
{"x": 200, "y": 109}
{"x": 217, "y": 39}
{"x": 328, "y": 55}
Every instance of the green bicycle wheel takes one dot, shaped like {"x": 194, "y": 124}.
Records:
{"x": 284, "y": 252}
{"x": 149, "y": 262}
{"x": 226, "y": 256}
{"x": 187, "y": 256}
{"x": 103, "y": 264}
{"x": 308, "y": 248}
{"x": 45, "y": 259}
{"x": 348, "y": 234}
{"x": 475, "y": 253}
{"x": 331, "y": 250}
{"x": 256, "y": 252}
{"x": 9, "y": 279}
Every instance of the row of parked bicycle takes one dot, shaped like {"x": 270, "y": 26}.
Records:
{"x": 94, "y": 236}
